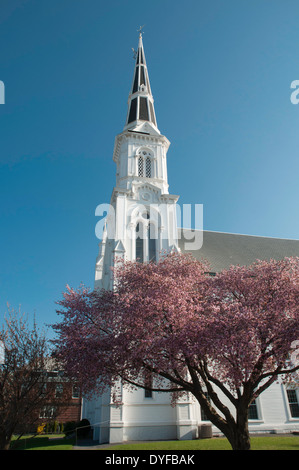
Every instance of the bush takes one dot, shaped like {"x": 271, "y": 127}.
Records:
{"x": 83, "y": 430}
{"x": 70, "y": 427}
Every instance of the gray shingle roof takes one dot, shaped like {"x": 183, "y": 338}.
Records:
{"x": 222, "y": 250}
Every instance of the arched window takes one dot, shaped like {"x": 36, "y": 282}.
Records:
{"x": 152, "y": 243}
{"x": 146, "y": 239}
{"x": 144, "y": 165}
{"x": 139, "y": 244}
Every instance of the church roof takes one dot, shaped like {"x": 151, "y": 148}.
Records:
{"x": 222, "y": 250}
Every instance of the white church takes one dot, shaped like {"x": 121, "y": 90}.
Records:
{"x": 143, "y": 222}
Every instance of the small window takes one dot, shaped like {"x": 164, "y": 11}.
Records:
{"x": 47, "y": 412}
{"x": 252, "y": 410}
{"x": 148, "y": 394}
{"x": 58, "y": 390}
{"x": 293, "y": 403}
{"x": 75, "y": 392}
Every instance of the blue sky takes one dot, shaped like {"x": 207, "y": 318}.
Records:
{"x": 220, "y": 73}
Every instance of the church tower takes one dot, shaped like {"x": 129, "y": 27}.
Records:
{"x": 141, "y": 223}
{"x": 142, "y": 218}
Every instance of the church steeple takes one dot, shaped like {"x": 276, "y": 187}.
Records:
{"x": 142, "y": 220}
{"x": 141, "y": 102}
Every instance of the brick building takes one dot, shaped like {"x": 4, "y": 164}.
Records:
{"x": 67, "y": 399}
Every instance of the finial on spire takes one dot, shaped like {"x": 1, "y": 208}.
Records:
{"x": 140, "y": 41}
{"x": 140, "y": 30}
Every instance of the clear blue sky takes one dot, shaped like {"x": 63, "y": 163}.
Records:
{"x": 220, "y": 73}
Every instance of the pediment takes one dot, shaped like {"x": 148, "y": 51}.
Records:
{"x": 119, "y": 247}
{"x": 144, "y": 127}
{"x": 146, "y": 192}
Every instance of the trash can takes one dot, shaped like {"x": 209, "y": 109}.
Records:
{"x": 205, "y": 431}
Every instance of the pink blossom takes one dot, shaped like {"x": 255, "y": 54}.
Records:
{"x": 194, "y": 332}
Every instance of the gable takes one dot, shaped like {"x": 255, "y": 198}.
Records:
{"x": 146, "y": 192}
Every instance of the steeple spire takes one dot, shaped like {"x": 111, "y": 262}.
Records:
{"x": 141, "y": 102}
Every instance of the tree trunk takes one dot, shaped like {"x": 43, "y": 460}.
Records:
{"x": 240, "y": 439}
{"x": 4, "y": 442}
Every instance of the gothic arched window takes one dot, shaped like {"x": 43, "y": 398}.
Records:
{"x": 144, "y": 164}
{"x": 145, "y": 240}
{"x": 139, "y": 244}
{"x": 152, "y": 243}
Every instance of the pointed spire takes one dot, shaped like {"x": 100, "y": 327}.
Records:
{"x": 141, "y": 101}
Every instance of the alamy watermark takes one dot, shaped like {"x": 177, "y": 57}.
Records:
{"x": 147, "y": 222}
{"x": 2, "y": 93}
{"x": 295, "y": 94}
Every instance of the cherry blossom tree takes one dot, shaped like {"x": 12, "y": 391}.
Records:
{"x": 223, "y": 338}
{"x": 24, "y": 385}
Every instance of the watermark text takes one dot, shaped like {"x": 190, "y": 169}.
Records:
{"x": 295, "y": 94}
{"x": 154, "y": 221}
{"x": 2, "y": 92}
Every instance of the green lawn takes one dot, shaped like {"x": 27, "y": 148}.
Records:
{"x": 47, "y": 442}
{"x": 257, "y": 443}
{"x": 43, "y": 442}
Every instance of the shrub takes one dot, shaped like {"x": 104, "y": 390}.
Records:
{"x": 70, "y": 427}
{"x": 83, "y": 429}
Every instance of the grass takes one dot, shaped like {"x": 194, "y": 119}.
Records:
{"x": 43, "y": 442}
{"x": 60, "y": 442}
{"x": 257, "y": 443}
{"x": 204, "y": 444}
